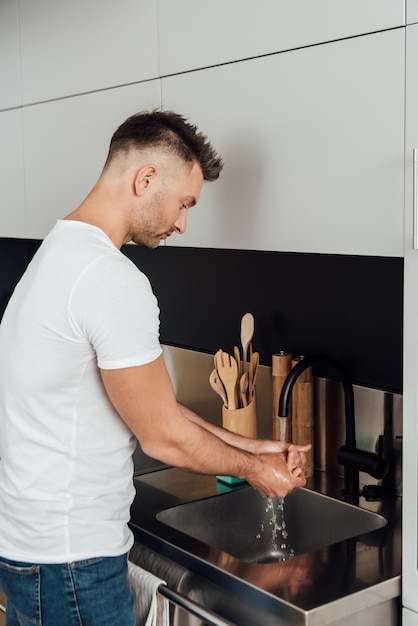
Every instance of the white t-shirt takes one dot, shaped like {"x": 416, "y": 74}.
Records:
{"x": 66, "y": 456}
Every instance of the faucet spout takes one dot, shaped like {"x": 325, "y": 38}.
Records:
{"x": 352, "y": 459}
{"x": 304, "y": 363}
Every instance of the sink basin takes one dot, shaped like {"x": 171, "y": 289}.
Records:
{"x": 262, "y": 530}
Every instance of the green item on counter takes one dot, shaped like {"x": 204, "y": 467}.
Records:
{"x": 230, "y": 480}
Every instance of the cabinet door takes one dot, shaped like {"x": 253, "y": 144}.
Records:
{"x": 411, "y": 11}
{"x": 313, "y": 147}
{"x": 10, "y": 94}
{"x": 200, "y": 34}
{"x": 12, "y": 213}
{"x": 76, "y": 47}
{"x": 410, "y": 399}
{"x": 66, "y": 144}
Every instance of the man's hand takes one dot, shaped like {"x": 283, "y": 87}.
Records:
{"x": 295, "y": 454}
{"x": 278, "y": 475}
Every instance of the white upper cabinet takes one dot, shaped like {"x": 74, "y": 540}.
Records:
{"x": 411, "y": 134}
{"x": 12, "y": 211}
{"x": 77, "y": 47}
{"x": 10, "y": 91}
{"x": 66, "y": 144}
{"x": 202, "y": 34}
{"x": 312, "y": 141}
{"x": 411, "y": 11}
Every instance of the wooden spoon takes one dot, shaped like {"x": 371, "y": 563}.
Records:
{"x": 227, "y": 369}
{"x": 216, "y": 384}
{"x": 247, "y": 332}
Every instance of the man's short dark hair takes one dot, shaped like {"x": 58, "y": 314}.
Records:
{"x": 171, "y": 132}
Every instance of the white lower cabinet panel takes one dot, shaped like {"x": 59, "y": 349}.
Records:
{"x": 65, "y": 147}
{"x": 313, "y": 146}
{"x": 12, "y": 208}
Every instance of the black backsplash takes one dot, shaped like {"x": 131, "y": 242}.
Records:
{"x": 349, "y": 307}
{"x": 15, "y": 254}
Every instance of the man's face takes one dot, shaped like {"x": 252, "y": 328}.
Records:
{"x": 166, "y": 212}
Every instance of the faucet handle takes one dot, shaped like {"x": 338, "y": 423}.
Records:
{"x": 364, "y": 461}
{"x": 375, "y": 492}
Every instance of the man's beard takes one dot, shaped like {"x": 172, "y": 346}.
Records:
{"x": 148, "y": 233}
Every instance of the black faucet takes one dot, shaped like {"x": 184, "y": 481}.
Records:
{"x": 352, "y": 459}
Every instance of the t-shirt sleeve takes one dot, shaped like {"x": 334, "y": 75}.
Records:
{"x": 114, "y": 309}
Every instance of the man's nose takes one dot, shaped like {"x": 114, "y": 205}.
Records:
{"x": 180, "y": 223}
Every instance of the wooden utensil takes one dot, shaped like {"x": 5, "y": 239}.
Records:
{"x": 216, "y": 384}
{"x": 227, "y": 369}
{"x": 253, "y": 369}
{"x": 247, "y": 332}
{"x": 237, "y": 356}
{"x": 243, "y": 390}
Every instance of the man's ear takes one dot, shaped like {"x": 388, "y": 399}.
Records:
{"x": 144, "y": 178}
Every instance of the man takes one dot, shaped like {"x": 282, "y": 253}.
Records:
{"x": 82, "y": 376}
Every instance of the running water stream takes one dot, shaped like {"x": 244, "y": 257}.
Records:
{"x": 281, "y": 550}
{"x": 283, "y": 424}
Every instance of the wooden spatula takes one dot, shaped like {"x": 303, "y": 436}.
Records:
{"x": 227, "y": 369}
{"x": 216, "y": 384}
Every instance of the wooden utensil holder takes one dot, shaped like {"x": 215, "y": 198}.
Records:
{"x": 241, "y": 421}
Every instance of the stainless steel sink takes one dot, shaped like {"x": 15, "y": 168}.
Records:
{"x": 260, "y": 530}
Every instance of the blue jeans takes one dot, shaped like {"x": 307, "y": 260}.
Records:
{"x": 93, "y": 592}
